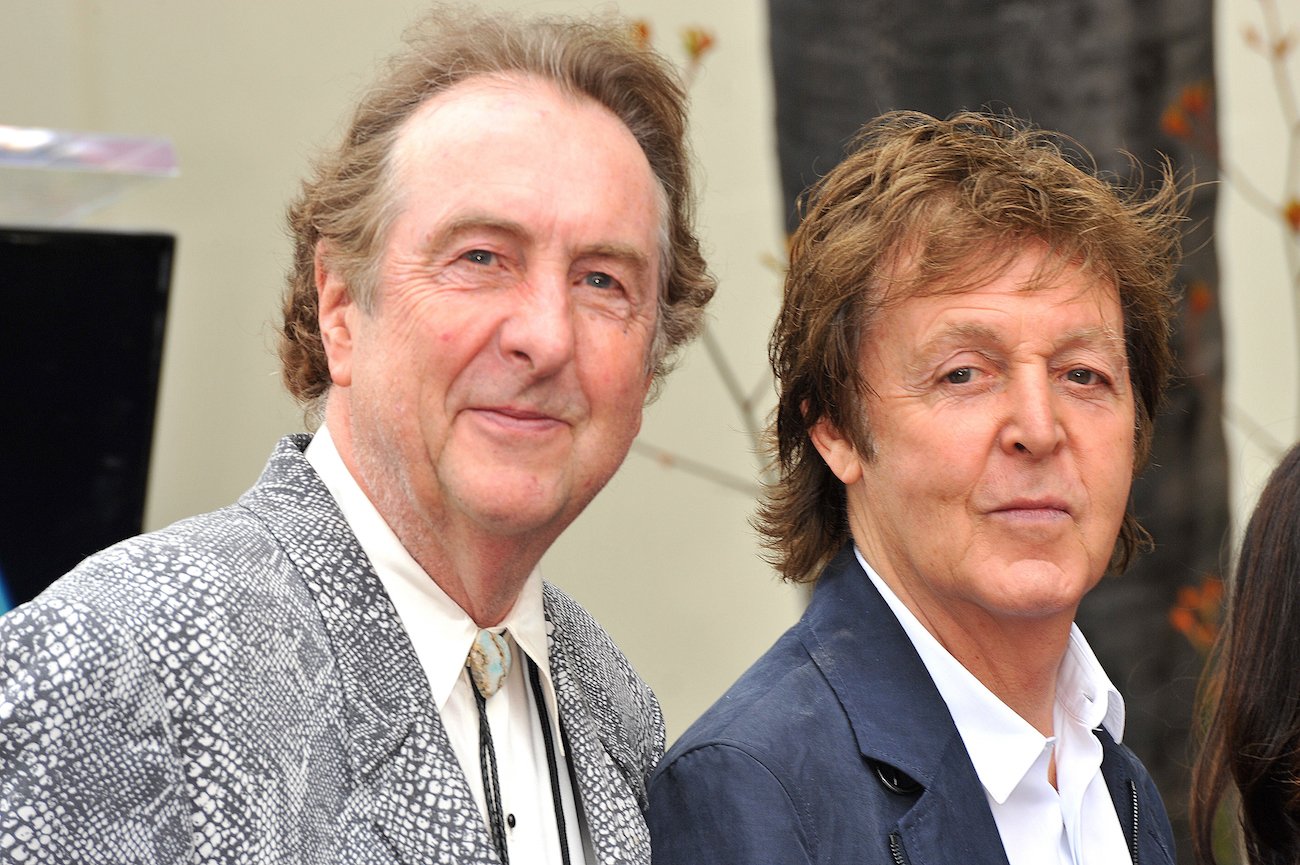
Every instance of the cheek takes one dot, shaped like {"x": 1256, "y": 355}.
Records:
{"x": 1111, "y": 494}
{"x": 1109, "y": 464}
{"x": 620, "y": 401}
{"x": 934, "y": 463}
{"x": 913, "y": 502}
{"x": 615, "y": 369}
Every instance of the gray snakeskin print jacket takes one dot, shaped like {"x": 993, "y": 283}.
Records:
{"x": 237, "y": 688}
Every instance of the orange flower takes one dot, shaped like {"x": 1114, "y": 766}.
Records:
{"x": 1183, "y": 620}
{"x": 1174, "y": 122}
{"x": 1197, "y": 612}
{"x": 1292, "y": 214}
{"x": 1195, "y": 99}
{"x": 641, "y": 33}
{"x": 1199, "y": 297}
{"x": 697, "y": 42}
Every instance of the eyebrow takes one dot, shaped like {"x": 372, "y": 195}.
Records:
{"x": 980, "y": 334}
{"x": 443, "y": 236}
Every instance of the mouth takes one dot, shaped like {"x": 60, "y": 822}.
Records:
{"x": 1033, "y": 510}
{"x": 517, "y": 418}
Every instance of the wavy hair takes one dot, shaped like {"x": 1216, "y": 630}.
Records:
{"x": 920, "y": 206}
{"x": 349, "y": 201}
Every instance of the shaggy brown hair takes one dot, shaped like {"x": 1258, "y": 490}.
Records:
{"x": 350, "y": 200}
{"x": 923, "y": 206}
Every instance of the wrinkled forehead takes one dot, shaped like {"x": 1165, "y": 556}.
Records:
{"x": 914, "y": 269}
{"x": 505, "y": 97}
{"x": 494, "y": 100}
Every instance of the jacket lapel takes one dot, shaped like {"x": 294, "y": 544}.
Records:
{"x": 899, "y": 719}
{"x": 612, "y": 817}
{"x": 1140, "y": 818}
{"x": 398, "y": 747}
{"x": 927, "y": 833}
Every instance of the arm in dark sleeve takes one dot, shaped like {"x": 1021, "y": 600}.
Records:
{"x": 89, "y": 771}
{"x": 718, "y": 805}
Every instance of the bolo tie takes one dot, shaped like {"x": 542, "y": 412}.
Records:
{"x": 489, "y": 664}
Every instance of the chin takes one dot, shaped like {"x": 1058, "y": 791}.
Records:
{"x": 1045, "y": 587}
{"x": 511, "y": 517}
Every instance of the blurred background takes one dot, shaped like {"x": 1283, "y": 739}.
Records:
{"x": 243, "y": 93}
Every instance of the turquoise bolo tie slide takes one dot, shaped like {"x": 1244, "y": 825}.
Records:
{"x": 489, "y": 662}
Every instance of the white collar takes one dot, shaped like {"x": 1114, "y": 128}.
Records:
{"x": 439, "y": 630}
{"x": 1003, "y": 747}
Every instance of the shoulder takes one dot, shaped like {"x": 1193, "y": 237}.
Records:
{"x": 204, "y": 594}
{"x": 747, "y": 782}
{"x": 720, "y": 802}
{"x": 59, "y": 651}
{"x": 781, "y": 714}
{"x": 781, "y": 704}
{"x": 584, "y": 642}
{"x": 624, "y": 709}
{"x": 206, "y": 561}
{"x": 168, "y": 605}
{"x": 596, "y": 659}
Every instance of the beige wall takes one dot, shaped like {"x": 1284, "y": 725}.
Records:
{"x": 666, "y": 560}
{"x": 1259, "y": 297}
{"x": 246, "y": 90}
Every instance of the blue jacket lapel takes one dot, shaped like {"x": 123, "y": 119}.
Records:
{"x": 1141, "y": 812}
{"x": 898, "y": 717}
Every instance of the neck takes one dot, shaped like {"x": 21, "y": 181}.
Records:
{"x": 1025, "y": 682}
{"x": 484, "y": 580}
{"x": 481, "y": 571}
{"x": 1019, "y": 662}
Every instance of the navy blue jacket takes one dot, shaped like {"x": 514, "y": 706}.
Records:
{"x": 836, "y": 747}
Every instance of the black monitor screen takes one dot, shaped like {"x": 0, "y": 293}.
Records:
{"x": 81, "y": 330}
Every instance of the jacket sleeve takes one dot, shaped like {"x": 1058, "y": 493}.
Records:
{"x": 719, "y": 805}
{"x": 88, "y": 768}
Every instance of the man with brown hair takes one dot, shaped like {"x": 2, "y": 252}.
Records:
{"x": 359, "y": 661}
{"x": 972, "y": 346}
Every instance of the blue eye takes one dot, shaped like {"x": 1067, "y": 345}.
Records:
{"x": 480, "y": 256}
{"x": 1083, "y": 376}
{"x": 961, "y": 375}
{"x": 600, "y": 280}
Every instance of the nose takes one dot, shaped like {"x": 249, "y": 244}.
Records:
{"x": 1032, "y": 425}
{"x": 538, "y": 331}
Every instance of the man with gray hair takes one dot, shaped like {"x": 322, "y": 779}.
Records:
{"x": 359, "y": 661}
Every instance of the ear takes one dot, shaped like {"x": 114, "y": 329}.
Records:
{"x": 336, "y": 314}
{"x": 645, "y": 399}
{"x": 838, "y": 452}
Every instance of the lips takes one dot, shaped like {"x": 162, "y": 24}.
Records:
{"x": 520, "y": 413}
{"x": 1033, "y": 510}
{"x": 519, "y": 418}
{"x": 1037, "y": 504}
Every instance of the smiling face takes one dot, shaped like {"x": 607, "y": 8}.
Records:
{"x": 1002, "y": 421}
{"x": 499, "y": 379}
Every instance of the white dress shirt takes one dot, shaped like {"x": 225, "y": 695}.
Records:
{"x": 441, "y": 633}
{"x": 1072, "y": 824}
